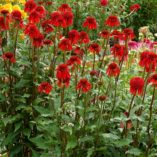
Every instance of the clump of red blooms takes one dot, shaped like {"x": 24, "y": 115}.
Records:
{"x": 65, "y": 45}
{"x": 63, "y": 75}
{"x": 153, "y": 80}
{"x": 84, "y": 85}
{"x": 84, "y": 38}
{"x": 94, "y": 48}
{"x": 45, "y": 87}
{"x": 104, "y": 3}
{"x": 74, "y": 60}
{"x": 112, "y": 21}
{"x": 9, "y": 56}
{"x": 135, "y": 7}
{"x": 148, "y": 60}
{"x": 90, "y": 23}
{"x": 113, "y": 70}
{"x": 73, "y": 36}
{"x": 119, "y": 51}
{"x": 136, "y": 85}
{"x": 104, "y": 34}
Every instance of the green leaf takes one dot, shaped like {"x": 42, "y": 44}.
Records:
{"x": 134, "y": 151}
{"x": 123, "y": 142}
{"x": 72, "y": 143}
{"x": 90, "y": 152}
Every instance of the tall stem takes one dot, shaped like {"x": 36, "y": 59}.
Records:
{"x": 149, "y": 123}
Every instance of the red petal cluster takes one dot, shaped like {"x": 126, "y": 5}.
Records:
{"x": 45, "y": 87}
{"x": 136, "y": 85}
{"x": 84, "y": 85}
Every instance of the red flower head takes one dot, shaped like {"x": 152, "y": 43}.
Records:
{"x": 4, "y": 12}
{"x": 74, "y": 60}
{"x": 153, "y": 80}
{"x": 64, "y": 8}
{"x": 38, "y": 40}
{"x": 31, "y": 30}
{"x": 73, "y": 36}
{"x": 68, "y": 19}
{"x": 112, "y": 21}
{"x": 135, "y": 7}
{"x": 47, "y": 27}
{"x": 4, "y": 23}
{"x": 47, "y": 42}
{"x": 16, "y": 15}
{"x": 44, "y": 87}
{"x": 63, "y": 75}
{"x": 90, "y": 23}
{"x": 29, "y": 6}
{"x": 104, "y": 2}
{"x": 119, "y": 52}
{"x": 84, "y": 38}
{"x": 41, "y": 11}
{"x": 65, "y": 45}
{"x": 94, "y": 48}
{"x": 113, "y": 70}
{"x": 84, "y": 85}
{"x": 34, "y": 17}
{"x": 9, "y": 56}
{"x": 116, "y": 34}
{"x": 104, "y": 34}
{"x": 136, "y": 85}
{"x": 79, "y": 52}
{"x": 57, "y": 19}
{"x": 148, "y": 60}
{"x": 128, "y": 33}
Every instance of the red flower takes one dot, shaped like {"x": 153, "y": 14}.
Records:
{"x": 65, "y": 45}
{"x": 63, "y": 75}
{"x": 94, "y": 48}
{"x": 4, "y": 12}
{"x": 31, "y": 30}
{"x": 119, "y": 51}
{"x": 34, "y": 17}
{"x": 29, "y": 6}
{"x": 79, "y": 52}
{"x": 116, "y": 34}
{"x": 73, "y": 36}
{"x": 64, "y": 8}
{"x": 90, "y": 23}
{"x": 104, "y": 34}
{"x": 153, "y": 80}
{"x": 41, "y": 11}
{"x": 84, "y": 38}
{"x": 16, "y": 15}
{"x": 9, "y": 56}
{"x": 102, "y": 97}
{"x": 74, "y": 60}
{"x": 84, "y": 85}
{"x": 104, "y": 2}
{"x": 47, "y": 42}
{"x": 113, "y": 70}
{"x": 4, "y": 23}
{"x": 112, "y": 21}
{"x": 38, "y": 40}
{"x": 135, "y": 7}
{"x": 128, "y": 33}
{"x": 68, "y": 19}
{"x": 45, "y": 87}
{"x": 148, "y": 60}
{"x": 136, "y": 85}
{"x": 57, "y": 19}
{"x": 94, "y": 73}
{"x": 47, "y": 27}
